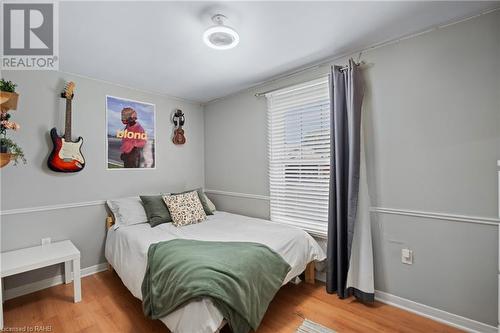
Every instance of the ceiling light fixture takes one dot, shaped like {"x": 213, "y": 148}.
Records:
{"x": 220, "y": 36}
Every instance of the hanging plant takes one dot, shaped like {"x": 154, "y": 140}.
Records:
{"x": 7, "y": 146}
{"x": 7, "y": 86}
{"x": 9, "y": 150}
{"x": 8, "y": 95}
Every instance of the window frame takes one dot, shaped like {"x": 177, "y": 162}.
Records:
{"x": 298, "y": 195}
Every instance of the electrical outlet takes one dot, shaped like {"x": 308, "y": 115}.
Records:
{"x": 46, "y": 241}
{"x": 407, "y": 256}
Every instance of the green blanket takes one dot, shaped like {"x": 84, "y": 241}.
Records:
{"x": 240, "y": 278}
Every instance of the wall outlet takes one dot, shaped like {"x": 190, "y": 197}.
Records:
{"x": 407, "y": 256}
{"x": 46, "y": 241}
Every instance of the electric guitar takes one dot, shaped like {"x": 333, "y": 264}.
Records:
{"x": 66, "y": 154}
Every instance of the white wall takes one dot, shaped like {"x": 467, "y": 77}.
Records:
{"x": 432, "y": 112}
{"x": 40, "y": 108}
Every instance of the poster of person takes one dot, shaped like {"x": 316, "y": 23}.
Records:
{"x": 130, "y": 139}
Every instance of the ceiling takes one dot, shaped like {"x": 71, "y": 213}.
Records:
{"x": 158, "y": 47}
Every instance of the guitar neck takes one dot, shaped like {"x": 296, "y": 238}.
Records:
{"x": 67, "y": 125}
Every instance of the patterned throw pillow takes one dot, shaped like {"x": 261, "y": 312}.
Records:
{"x": 185, "y": 208}
{"x": 208, "y": 205}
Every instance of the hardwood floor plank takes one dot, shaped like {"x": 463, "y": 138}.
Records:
{"x": 107, "y": 306}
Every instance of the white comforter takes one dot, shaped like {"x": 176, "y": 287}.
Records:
{"x": 127, "y": 247}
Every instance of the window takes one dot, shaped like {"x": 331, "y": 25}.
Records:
{"x": 299, "y": 155}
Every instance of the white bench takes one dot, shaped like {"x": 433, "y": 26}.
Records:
{"x": 23, "y": 260}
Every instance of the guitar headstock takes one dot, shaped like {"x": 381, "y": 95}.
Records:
{"x": 68, "y": 90}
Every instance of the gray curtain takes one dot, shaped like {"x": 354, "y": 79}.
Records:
{"x": 346, "y": 98}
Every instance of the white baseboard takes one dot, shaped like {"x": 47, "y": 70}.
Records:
{"x": 47, "y": 283}
{"x": 441, "y": 316}
{"x": 444, "y": 317}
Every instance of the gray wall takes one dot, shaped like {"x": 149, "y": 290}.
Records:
{"x": 432, "y": 112}
{"x": 39, "y": 109}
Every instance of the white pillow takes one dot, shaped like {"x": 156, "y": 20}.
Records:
{"x": 127, "y": 211}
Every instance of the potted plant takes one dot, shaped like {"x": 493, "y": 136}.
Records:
{"x": 9, "y": 150}
{"x": 8, "y": 95}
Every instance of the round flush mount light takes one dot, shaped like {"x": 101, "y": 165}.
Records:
{"x": 220, "y": 36}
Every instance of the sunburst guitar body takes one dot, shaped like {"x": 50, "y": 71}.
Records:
{"x": 66, "y": 155}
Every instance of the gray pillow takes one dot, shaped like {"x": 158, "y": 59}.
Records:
{"x": 156, "y": 209}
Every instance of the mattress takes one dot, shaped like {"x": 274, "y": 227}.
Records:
{"x": 127, "y": 247}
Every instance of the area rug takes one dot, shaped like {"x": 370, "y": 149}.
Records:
{"x": 312, "y": 327}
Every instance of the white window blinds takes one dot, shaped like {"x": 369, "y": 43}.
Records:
{"x": 299, "y": 155}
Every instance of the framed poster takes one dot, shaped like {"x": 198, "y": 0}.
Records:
{"x": 130, "y": 137}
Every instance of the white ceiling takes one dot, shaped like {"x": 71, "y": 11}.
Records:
{"x": 157, "y": 46}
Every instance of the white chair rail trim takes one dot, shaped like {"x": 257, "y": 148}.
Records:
{"x": 51, "y": 207}
{"x": 384, "y": 210}
{"x": 438, "y": 216}
{"x": 239, "y": 195}
{"x": 379, "y": 210}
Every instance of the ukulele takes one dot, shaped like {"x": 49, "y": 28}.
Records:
{"x": 179, "y": 138}
{"x": 66, "y": 155}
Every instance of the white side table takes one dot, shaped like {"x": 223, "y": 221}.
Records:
{"x": 23, "y": 260}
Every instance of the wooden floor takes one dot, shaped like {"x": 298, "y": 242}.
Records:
{"x": 107, "y": 306}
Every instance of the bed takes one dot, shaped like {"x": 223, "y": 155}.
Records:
{"x": 126, "y": 251}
